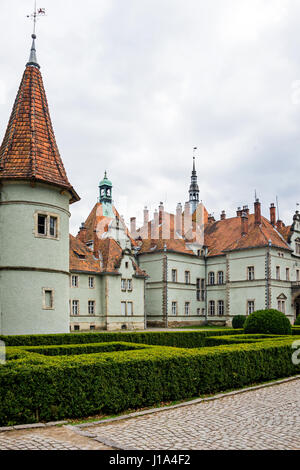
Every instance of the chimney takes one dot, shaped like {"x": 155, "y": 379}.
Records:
{"x": 223, "y": 215}
{"x": 160, "y": 211}
{"x": 149, "y": 230}
{"x": 273, "y": 214}
{"x": 133, "y": 225}
{"x": 279, "y": 224}
{"x": 239, "y": 212}
{"x": 172, "y": 226}
{"x": 244, "y": 224}
{"x": 211, "y": 218}
{"x": 257, "y": 211}
{"x": 155, "y": 218}
{"x": 246, "y": 210}
{"x": 178, "y": 222}
{"x": 82, "y": 233}
{"x": 146, "y": 215}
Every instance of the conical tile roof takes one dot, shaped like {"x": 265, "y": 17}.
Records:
{"x": 29, "y": 150}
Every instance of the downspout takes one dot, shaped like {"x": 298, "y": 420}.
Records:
{"x": 106, "y": 302}
{"x": 268, "y": 262}
{"x": 165, "y": 287}
{"x": 205, "y": 285}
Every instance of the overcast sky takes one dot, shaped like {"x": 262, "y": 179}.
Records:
{"x": 134, "y": 85}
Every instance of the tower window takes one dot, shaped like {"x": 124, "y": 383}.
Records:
{"x": 46, "y": 225}
{"x": 42, "y": 224}
{"x": 48, "y": 299}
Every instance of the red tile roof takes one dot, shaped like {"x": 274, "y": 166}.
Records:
{"x": 110, "y": 253}
{"x": 29, "y": 150}
{"x": 219, "y": 236}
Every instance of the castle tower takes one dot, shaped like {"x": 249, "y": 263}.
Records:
{"x": 34, "y": 216}
{"x": 194, "y": 190}
{"x": 105, "y": 196}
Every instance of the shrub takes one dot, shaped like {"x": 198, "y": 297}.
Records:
{"x": 268, "y": 322}
{"x": 35, "y": 387}
{"x": 179, "y": 339}
{"x": 297, "y": 321}
{"x": 238, "y": 321}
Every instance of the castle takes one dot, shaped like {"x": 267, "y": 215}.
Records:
{"x": 177, "y": 269}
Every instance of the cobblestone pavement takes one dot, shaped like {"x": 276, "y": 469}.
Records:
{"x": 267, "y": 418}
{"x": 54, "y": 438}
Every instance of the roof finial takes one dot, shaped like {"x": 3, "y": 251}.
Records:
{"x": 194, "y": 158}
{"x": 35, "y": 15}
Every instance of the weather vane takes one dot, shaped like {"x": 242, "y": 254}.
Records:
{"x": 38, "y": 12}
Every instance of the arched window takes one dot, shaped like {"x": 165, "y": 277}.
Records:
{"x": 281, "y": 303}
{"x": 211, "y": 308}
{"x": 211, "y": 278}
{"x": 220, "y": 308}
{"x": 220, "y": 277}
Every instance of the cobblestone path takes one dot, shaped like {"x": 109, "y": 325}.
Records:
{"x": 267, "y": 418}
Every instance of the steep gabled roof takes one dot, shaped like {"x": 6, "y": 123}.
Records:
{"x": 81, "y": 258}
{"x": 29, "y": 150}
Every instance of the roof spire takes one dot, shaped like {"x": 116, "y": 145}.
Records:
{"x": 35, "y": 15}
{"x": 32, "y": 58}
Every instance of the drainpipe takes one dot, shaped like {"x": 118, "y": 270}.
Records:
{"x": 165, "y": 289}
{"x": 268, "y": 258}
{"x": 205, "y": 284}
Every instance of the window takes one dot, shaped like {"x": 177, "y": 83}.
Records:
{"x": 42, "y": 224}
{"x": 129, "y": 284}
{"x": 174, "y": 308}
{"x": 211, "y": 308}
{"x": 48, "y": 299}
{"x": 187, "y": 277}
{"x": 298, "y": 275}
{"x": 220, "y": 308}
{"x": 220, "y": 277}
{"x": 91, "y": 307}
{"x": 250, "y": 272}
{"x": 250, "y": 307}
{"x": 75, "y": 307}
{"x": 129, "y": 309}
{"x": 53, "y": 227}
{"x": 187, "y": 308}
{"x": 126, "y": 264}
{"x": 74, "y": 281}
{"x": 278, "y": 273}
{"x": 46, "y": 225}
{"x": 123, "y": 308}
{"x": 123, "y": 284}
{"x": 91, "y": 282}
{"x": 198, "y": 295}
{"x": 211, "y": 278}
{"x": 287, "y": 274}
{"x": 76, "y": 327}
{"x": 199, "y": 311}
{"x": 92, "y": 327}
{"x": 297, "y": 247}
{"x": 281, "y": 305}
{"x": 174, "y": 275}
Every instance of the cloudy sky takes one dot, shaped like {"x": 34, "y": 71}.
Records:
{"x": 134, "y": 85}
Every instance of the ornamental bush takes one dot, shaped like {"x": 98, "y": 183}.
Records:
{"x": 297, "y": 321}
{"x": 268, "y": 322}
{"x": 238, "y": 321}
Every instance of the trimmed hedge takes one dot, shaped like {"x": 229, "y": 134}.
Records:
{"x": 238, "y": 321}
{"x": 76, "y": 349}
{"x": 180, "y": 339}
{"x": 297, "y": 321}
{"x": 269, "y": 322}
{"x": 36, "y": 388}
